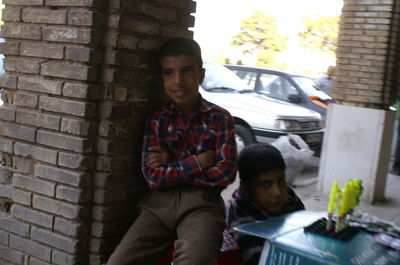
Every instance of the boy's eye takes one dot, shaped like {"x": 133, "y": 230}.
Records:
{"x": 188, "y": 71}
{"x": 167, "y": 73}
{"x": 266, "y": 185}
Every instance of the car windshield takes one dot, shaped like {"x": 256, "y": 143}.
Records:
{"x": 308, "y": 85}
{"x": 220, "y": 78}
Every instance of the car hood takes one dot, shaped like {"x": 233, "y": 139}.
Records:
{"x": 254, "y": 102}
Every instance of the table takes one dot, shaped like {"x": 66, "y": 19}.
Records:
{"x": 286, "y": 243}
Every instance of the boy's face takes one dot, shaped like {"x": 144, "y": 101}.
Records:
{"x": 269, "y": 190}
{"x": 182, "y": 77}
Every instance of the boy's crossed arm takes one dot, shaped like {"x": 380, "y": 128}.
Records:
{"x": 209, "y": 168}
{"x": 159, "y": 156}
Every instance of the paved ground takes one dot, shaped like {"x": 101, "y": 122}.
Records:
{"x": 306, "y": 189}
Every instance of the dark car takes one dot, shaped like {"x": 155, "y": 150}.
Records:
{"x": 280, "y": 85}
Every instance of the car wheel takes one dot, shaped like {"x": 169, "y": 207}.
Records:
{"x": 243, "y": 137}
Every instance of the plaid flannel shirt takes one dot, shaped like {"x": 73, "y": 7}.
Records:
{"x": 210, "y": 128}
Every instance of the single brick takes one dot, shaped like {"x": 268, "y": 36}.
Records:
{"x": 69, "y": 35}
{"x": 127, "y": 42}
{"x": 8, "y": 80}
{"x": 44, "y": 15}
{"x": 7, "y": 113}
{"x": 56, "y": 207}
{"x": 33, "y": 261}
{"x": 72, "y": 107}
{"x": 26, "y": 100}
{"x": 70, "y": 71}
{"x": 40, "y": 84}
{"x": 84, "y": 3}
{"x": 85, "y": 91}
{"x": 16, "y": 195}
{"x": 21, "y": 31}
{"x": 137, "y": 24}
{"x": 38, "y": 119}
{"x": 69, "y": 227}
{"x": 30, "y": 247}
{"x": 11, "y": 255}
{"x": 71, "y": 177}
{"x": 17, "y": 131}
{"x": 12, "y": 14}
{"x": 82, "y": 54}
{"x": 62, "y": 258}
{"x": 36, "y": 152}
{"x": 22, "y": 64}
{"x": 6, "y": 145}
{"x": 14, "y": 226}
{"x": 32, "y": 216}
{"x": 73, "y": 194}
{"x": 78, "y": 127}
{"x": 63, "y": 141}
{"x": 167, "y": 31}
{"x": 81, "y": 17}
{"x": 24, "y": 2}
{"x": 34, "y": 184}
{"x": 75, "y": 161}
{"x": 42, "y": 50}
{"x": 53, "y": 239}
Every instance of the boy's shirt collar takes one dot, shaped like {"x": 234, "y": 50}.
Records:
{"x": 202, "y": 106}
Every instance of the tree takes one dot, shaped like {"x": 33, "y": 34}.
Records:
{"x": 321, "y": 33}
{"x": 259, "y": 36}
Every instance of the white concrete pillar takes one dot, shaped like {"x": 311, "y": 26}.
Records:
{"x": 357, "y": 144}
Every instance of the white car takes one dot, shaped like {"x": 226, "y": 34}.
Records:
{"x": 258, "y": 117}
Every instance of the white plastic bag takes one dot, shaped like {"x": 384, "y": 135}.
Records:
{"x": 295, "y": 152}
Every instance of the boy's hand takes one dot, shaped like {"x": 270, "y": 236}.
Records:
{"x": 206, "y": 159}
{"x": 158, "y": 157}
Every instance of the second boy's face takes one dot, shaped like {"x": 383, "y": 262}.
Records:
{"x": 182, "y": 77}
{"x": 269, "y": 190}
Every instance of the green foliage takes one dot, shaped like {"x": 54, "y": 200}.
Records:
{"x": 258, "y": 35}
{"x": 321, "y": 33}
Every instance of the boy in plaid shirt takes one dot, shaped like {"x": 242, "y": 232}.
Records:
{"x": 189, "y": 156}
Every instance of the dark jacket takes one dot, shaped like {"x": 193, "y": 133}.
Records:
{"x": 242, "y": 210}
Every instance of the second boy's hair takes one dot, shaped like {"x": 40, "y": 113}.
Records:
{"x": 181, "y": 46}
{"x": 259, "y": 158}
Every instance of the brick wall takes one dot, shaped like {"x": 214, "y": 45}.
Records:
{"x": 368, "y": 55}
{"x": 80, "y": 77}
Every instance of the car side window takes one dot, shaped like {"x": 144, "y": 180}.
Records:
{"x": 276, "y": 87}
{"x": 249, "y": 78}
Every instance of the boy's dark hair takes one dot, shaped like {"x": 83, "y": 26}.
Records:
{"x": 258, "y": 158}
{"x": 181, "y": 46}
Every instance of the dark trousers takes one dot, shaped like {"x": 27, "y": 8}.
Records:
{"x": 396, "y": 163}
{"x": 192, "y": 219}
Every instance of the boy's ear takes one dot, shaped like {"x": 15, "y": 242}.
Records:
{"x": 244, "y": 186}
{"x": 202, "y": 72}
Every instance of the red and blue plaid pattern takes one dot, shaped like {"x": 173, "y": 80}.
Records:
{"x": 210, "y": 128}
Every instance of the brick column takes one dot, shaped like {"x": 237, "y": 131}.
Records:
{"x": 368, "y": 55}
{"x": 80, "y": 77}
{"x": 359, "y": 128}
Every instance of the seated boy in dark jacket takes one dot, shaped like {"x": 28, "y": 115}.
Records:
{"x": 263, "y": 193}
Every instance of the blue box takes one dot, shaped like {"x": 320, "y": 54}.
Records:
{"x": 286, "y": 243}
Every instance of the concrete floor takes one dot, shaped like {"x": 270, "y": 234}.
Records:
{"x": 305, "y": 187}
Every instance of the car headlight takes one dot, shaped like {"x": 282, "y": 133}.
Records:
{"x": 287, "y": 125}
